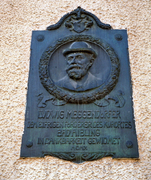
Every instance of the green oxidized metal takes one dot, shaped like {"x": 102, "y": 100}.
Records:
{"x": 79, "y": 101}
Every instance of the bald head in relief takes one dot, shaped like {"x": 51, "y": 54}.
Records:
{"x": 79, "y": 59}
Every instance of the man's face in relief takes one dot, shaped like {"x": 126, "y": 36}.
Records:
{"x": 78, "y": 64}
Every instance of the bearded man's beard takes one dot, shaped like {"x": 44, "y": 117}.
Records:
{"x": 76, "y": 72}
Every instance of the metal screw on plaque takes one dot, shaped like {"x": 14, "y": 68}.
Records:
{"x": 118, "y": 37}
{"x": 129, "y": 144}
{"x": 40, "y": 38}
{"x": 29, "y": 144}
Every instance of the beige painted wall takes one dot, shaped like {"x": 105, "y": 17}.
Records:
{"x": 17, "y": 20}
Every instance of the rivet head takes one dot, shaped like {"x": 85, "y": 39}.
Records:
{"x": 29, "y": 144}
{"x": 129, "y": 144}
{"x": 40, "y": 38}
{"x": 118, "y": 37}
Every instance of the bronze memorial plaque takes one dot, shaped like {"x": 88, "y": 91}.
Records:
{"x": 79, "y": 101}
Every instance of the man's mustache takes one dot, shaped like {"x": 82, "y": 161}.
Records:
{"x": 74, "y": 66}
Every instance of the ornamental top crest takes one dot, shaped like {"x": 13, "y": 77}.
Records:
{"x": 79, "y": 24}
{"x": 78, "y": 21}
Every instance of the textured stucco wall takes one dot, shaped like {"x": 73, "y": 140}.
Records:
{"x": 18, "y": 19}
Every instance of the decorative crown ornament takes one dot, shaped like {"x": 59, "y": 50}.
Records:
{"x": 78, "y": 21}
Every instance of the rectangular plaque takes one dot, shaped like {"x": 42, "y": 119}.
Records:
{"x": 79, "y": 100}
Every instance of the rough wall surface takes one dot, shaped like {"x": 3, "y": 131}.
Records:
{"x": 18, "y": 19}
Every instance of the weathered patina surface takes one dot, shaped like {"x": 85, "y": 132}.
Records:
{"x": 79, "y": 101}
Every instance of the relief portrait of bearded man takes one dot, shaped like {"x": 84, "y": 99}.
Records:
{"x": 79, "y": 59}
